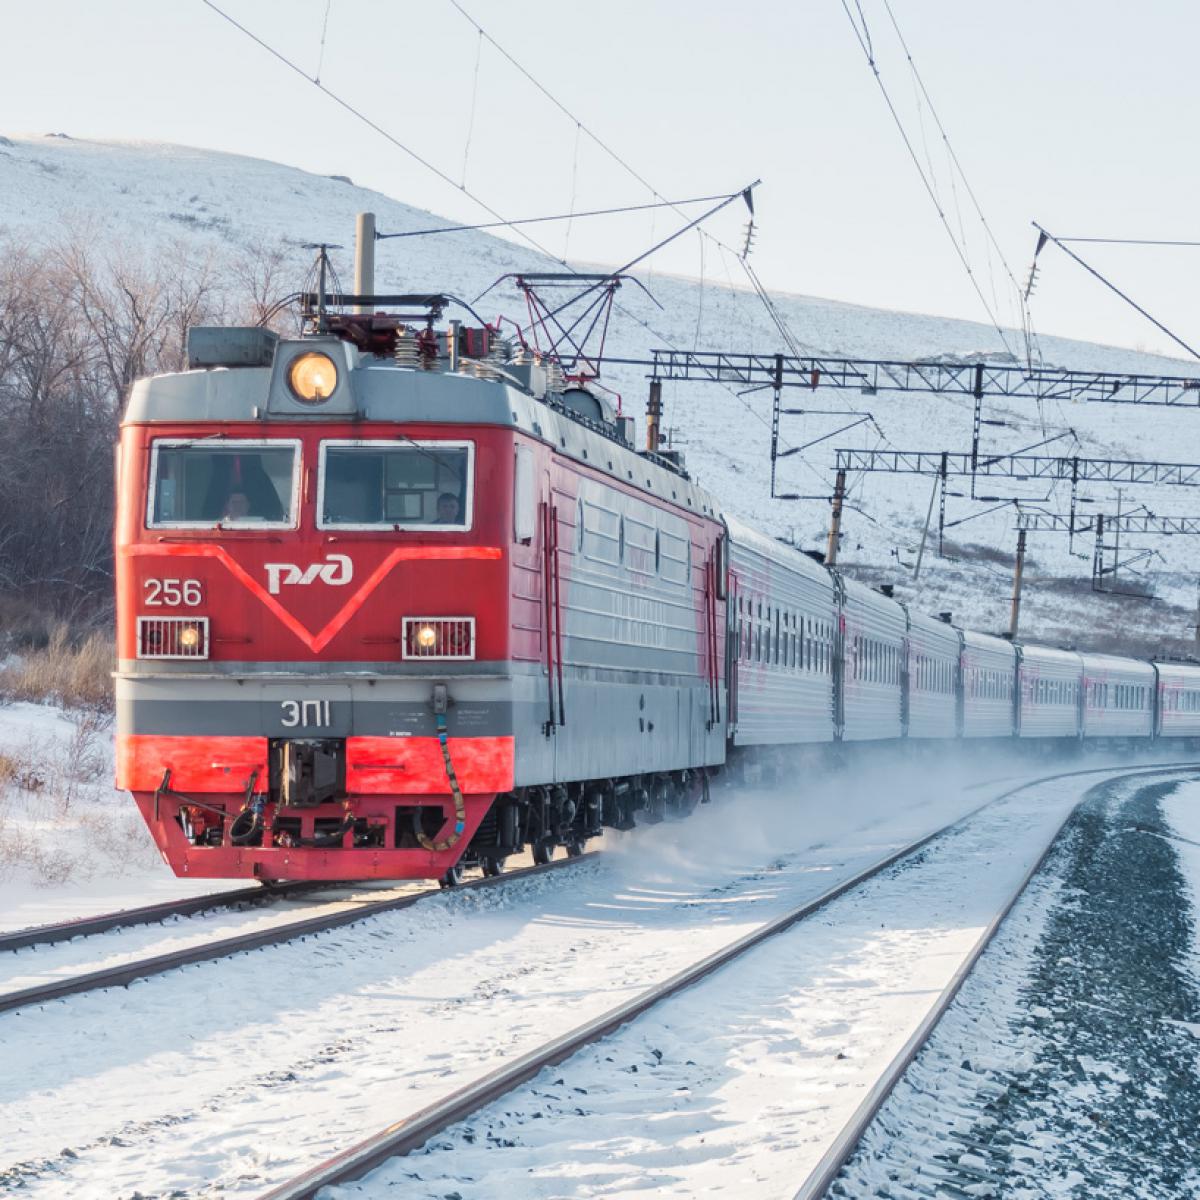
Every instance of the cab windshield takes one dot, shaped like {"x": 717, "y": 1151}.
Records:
{"x": 396, "y": 485}
{"x": 202, "y": 483}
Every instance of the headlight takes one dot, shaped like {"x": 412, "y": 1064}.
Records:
{"x": 312, "y": 377}
{"x": 172, "y": 637}
{"x": 439, "y": 637}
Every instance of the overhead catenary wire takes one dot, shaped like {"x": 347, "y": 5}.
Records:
{"x": 1045, "y": 235}
{"x": 359, "y": 115}
{"x": 568, "y": 216}
{"x": 471, "y": 117}
{"x": 1021, "y": 294}
{"x": 1110, "y": 241}
{"x": 500, "y": 219}
{"x": 954, "y": 159}
{"x": 862, "y": 35}
{"x": 324, "y": 31}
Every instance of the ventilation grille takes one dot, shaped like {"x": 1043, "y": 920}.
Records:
{"x": 439, "y": 637}
{"x": 172, "y": 637}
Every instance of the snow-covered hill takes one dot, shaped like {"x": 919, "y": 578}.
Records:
{"x": 148, "y": 195}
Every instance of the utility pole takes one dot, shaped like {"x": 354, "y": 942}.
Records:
{"x": 776, "y": 412}
{"x": 364, "y": 258}
{"x": 1117, "y": 540}
{"x": 937, "y": 480}
{"x": 1018, "y": 575}
{"x": 835, "y": 520}
{"x": 1098, "y": 556}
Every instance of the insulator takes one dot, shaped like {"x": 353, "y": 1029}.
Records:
{"x": 427, "y": 350}
{"x": 499, "y": 350}
{"x": 554, "y": 375}
{"x": 406, "y": 353}
{"x": 480, "y": 368}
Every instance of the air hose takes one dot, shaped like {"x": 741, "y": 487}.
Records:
{"x": 460, "y": 810}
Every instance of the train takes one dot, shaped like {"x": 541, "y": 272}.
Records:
{"x": 397, "y": 596}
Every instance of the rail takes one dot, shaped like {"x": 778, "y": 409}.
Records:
{"x": 148, "y": 914}
{"x": 144, "y": 968}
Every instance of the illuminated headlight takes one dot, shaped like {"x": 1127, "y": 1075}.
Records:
{"x": 439, "y": 637}
{"x": 312, "y": 377}
{"x": 172, "y": 637}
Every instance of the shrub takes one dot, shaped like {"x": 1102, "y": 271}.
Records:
{"x": 75, "y": 674}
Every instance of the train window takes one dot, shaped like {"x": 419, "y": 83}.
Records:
{"x": 398, "y": 485}
{"x": 641, "y": 545}
{"x": 197, "y": 483}
{"x": 524, "y": 495}
{"x": 673, "y": 559}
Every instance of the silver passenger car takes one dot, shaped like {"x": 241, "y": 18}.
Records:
{"x": 1049, "y": 683}
{"x": 934, "y": 650}
{"x": 873, "y": 628}
{"x": 1118, "y": 697}
{"x": 782, "y": 616}
{"x": 988, "y": 675}
{"x": 1178, "y": 705}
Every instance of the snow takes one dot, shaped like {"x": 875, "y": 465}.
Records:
{"x": 292, "y": 1052}
{"x": 1181, "y": 813}
{"x": 223, "y": 207}
{"x": 988, "y": 1062}
{"x": 736, "y": 1087}
{"x": 70, "y": 844}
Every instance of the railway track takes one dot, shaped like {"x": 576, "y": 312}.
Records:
{"x": 412, "y": 1131}
{"x": 1014, "y": 1087}
{"x": 150, "y": 914}
{"x": 123, "y": 974}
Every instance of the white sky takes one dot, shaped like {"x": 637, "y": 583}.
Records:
{"x": 1080, "y": 115}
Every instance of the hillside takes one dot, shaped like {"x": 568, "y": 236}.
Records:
{"x": 150, "y": 196}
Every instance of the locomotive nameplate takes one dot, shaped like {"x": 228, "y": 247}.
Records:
{"x": 326, "y": 711}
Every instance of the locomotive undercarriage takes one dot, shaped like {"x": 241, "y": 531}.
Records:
{"x": 568, "y": 814}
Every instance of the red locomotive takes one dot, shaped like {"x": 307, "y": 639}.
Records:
{"x": 393, "y": 598}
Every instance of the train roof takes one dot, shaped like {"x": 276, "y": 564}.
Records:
{"x": 1113, "y": 663}
{"x": 776, "y": 551}
{"x": 520, "y": 396}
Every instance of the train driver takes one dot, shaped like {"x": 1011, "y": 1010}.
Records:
{"x": 448, "y": 508}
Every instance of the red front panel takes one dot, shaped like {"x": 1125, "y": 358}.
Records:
{"x": 306, "y": 594}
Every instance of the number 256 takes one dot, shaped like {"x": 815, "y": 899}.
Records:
{"x": 171, "y": 593}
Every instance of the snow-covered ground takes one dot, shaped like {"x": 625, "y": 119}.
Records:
{"x": 143, "y": 198}
{"x": 70, "y": 845}
{"x": 738, "y": 1087}
{"x": 1068, "y": 1066}
{"x": 292, "y": 1052}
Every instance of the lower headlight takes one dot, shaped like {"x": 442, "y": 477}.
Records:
{"x": 172, "y": 637}
{"x": 439, "y": 637}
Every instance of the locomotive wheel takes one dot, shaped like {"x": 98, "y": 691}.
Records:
{"x": 543, "y": 851}
{"x": 492, "y": 867}
{"x": 574, "y": 849}
{"x": 452, "y": 877}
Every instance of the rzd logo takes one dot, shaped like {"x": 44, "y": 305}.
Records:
{"x": 337, "y": 570}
